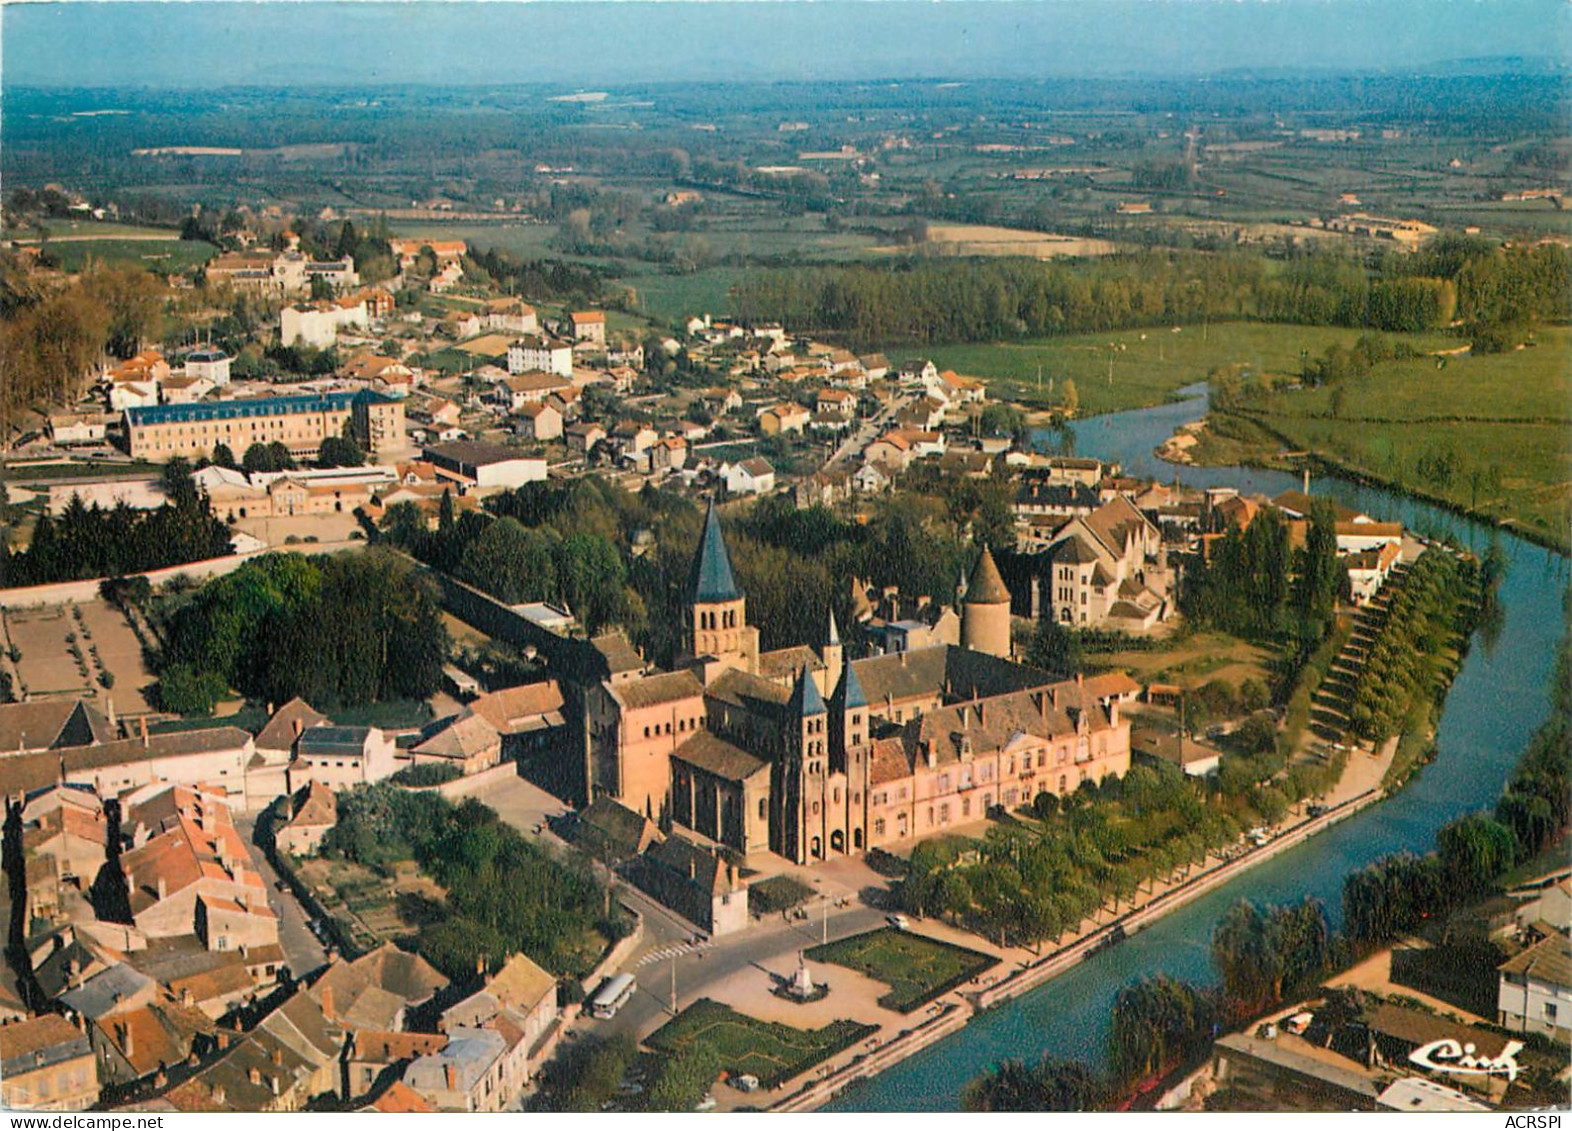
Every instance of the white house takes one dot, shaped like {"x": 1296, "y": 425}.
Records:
{"x": 1535, "y": 989}
{"x": 486, "y": 465}
{"x": 319, "y": 325}
{"x": 748, "y": 477}
{"x": 546, "y": 354}
{"x": 527, "y": 388}
{"x": 870, "y": 479}
{"x": 537, "y": 422}
{"x": 210, "y": 364}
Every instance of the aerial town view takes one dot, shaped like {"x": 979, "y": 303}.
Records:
{"x": 626, "y": 558}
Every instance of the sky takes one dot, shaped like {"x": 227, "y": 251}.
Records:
{"x": 585, "y": 43}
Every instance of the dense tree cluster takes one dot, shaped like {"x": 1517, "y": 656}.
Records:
{"x": 53, "y": 336}
{"x": 1033, "y": 879}
{"x": 1256, "y": 585}
{"x": 576, "y": 544}
{"x": 84, "y": 542}
{"x": 1496, "y": 292}
{"x": 1049, "y": 1085}
{"x": 1430, "y": 613}
{"x": 334, "y": 629}
{"x": 1269, "y": 955}
{"x": 505, "y": 894}
{"x": 1395, "y": 894}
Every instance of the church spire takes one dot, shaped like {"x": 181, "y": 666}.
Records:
{"x": 805, "y": 698}
{"x": 713, "y": 580}
{"x": 850, "y": 693}
{"x": 835, "y": 632}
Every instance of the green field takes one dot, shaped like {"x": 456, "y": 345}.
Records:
{"x": 1147, "y": 365}
{"x": 917, "y": 969}
{"x": 747, "y": 1046}
{"x": 163, "y": 257}
{"x": 1486, "y": 433}
{"x": 672, "y": 298}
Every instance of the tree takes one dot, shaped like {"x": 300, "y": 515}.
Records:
{"x": 1050, "y": 1085}
{"x": 682, "y": 1079}
{"x": 512, "y": 562}
{"x": 179, "y": 488}
{"x": 223, "y": 456}
{"x": 1055, "y": 648}
{"x": 188, "y": 691}
{"x": 1473, "y": 851}
{"x": 1069, "y": 397}
{"x": 340, "y": 451}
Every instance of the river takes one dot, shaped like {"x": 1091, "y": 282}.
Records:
{"x": 1496, "y": 703}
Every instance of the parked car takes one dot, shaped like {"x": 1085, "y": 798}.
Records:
{"x": 899, "y": 922}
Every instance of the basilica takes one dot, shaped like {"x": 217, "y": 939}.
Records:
{"x": 807, "y": 754}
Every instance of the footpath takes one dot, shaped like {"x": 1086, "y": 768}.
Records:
{"x": 1358, "y": 788}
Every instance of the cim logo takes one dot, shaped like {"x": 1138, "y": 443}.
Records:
{"x": 1446, "y": 1055}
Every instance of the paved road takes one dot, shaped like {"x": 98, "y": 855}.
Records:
{"x": 668, "y": 938}
{"x": 301, "y": 948}
{"x": 527, "y": 808}
{"x": 768, "y": 943}
{"x": 866, "y": 433}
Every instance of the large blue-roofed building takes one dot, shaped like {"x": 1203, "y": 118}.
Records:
{"x": 298, "y": 422}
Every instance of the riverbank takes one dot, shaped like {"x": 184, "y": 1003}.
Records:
{"x": 1092, "y": 937}
{"x": 1200, "y": 444}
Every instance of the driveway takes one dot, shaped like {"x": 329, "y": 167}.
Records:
{"x": 301, "y": 948}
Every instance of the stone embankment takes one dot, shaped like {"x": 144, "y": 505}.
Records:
{"x": 955, "y": 1014}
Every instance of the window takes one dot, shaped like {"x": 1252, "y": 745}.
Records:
{"x": 763, "y": 811}
{"x": 944, "y": 814}
{"x": 1550, "y": 1011}
{"x": 878, "y": 826}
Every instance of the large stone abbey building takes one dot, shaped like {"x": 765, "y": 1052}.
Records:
{"x": 805, "y": 754}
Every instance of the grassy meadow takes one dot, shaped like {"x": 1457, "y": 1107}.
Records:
{"x": 1487, "y": 433}
{"x": 1147, "y": 365}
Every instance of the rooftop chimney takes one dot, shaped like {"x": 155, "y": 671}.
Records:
{"x": 219, "y": 1095}
{"x": 142, "y": 723}
{"x": 452, "y": 1077}
{"x": 278, "y": 1054}
{"x": 327, "y": 1002}
{"x": 273, "y": 1083}
{"x": 162, "y": 889}
{"x": 254, "y": 1075}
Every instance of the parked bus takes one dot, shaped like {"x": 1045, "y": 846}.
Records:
{"x": 612, "y": 996}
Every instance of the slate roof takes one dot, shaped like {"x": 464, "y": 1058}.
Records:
{"x": 334, "y": 740}
{"x": 849, "y": 693}
{"x": 469, "y": 1051}
{"x": 712, "y": 579}
{"x": 102, "y": 994}
{"x": 805, "y": 697}
{"x": 278, "y": 733}
{"x": 701, "y": 867}
{"x": 609, "y": 825}
{"x": 40, "y": 1042}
